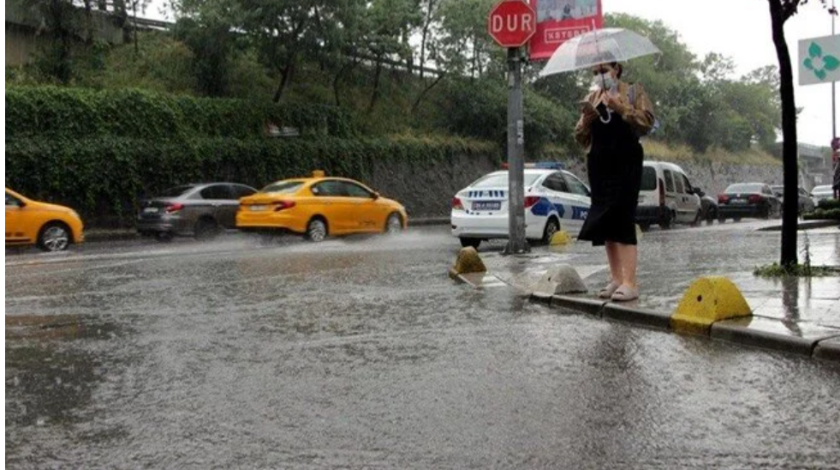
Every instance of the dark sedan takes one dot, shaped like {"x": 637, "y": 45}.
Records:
{"x": 748, "y": 200}
{"x": 806, "y": 204}
{"x": 200, "y": 210}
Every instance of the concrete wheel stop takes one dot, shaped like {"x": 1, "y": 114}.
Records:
{"x": 559, "y": 280}
{"x": 470, "y": 269}
{"x": 708, "y": 300}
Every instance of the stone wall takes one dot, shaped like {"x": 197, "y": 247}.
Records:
{"x": 427, "y": 190}
{"x": 712, "y": 177}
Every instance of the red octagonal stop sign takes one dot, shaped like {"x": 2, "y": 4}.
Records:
{"x": 512, "y": 23}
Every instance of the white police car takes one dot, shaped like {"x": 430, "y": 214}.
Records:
{"x": 554, "y": 199}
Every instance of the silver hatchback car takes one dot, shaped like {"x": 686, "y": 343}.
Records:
{"x": 200, "y": 210}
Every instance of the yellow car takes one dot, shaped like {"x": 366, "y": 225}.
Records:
{"x": 318, "y": 207}
{"x": 50, "y": 226}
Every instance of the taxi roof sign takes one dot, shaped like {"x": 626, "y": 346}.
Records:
{"x": 318, "y": 174}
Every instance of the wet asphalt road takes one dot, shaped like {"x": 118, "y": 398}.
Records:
{"x": 362, "y": 353}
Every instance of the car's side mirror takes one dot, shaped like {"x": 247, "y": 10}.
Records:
{"x": 376, "y": 196}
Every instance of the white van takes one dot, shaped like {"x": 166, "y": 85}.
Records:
{"x": 667, "y": 197}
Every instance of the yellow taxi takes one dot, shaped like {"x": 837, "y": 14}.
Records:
{"x": 50, "y": 226}
{"x": 320, "y": 206}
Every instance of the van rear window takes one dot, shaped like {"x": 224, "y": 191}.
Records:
{"x": 648, "y": 179}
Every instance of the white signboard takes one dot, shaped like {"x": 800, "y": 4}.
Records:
{"x": 819, "y": 60}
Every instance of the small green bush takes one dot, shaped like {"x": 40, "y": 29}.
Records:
{"x": 823, "y": 214}
{"x": 800, "y": 270}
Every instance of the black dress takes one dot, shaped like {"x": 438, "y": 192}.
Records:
{"x": 615, "y": 176}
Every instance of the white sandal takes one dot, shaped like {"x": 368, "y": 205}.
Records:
{"x": 625, "y": 294}
{"x": 607, "y": 292}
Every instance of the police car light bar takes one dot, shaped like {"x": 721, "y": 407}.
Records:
{"x": 540, "y": 166}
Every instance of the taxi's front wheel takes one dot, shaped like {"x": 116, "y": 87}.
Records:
{"x": 316, "y": 230}
{"x": 55, "y": 236}
{"x": 393, "y": 225}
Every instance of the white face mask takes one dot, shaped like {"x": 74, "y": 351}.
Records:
{"x": 603, "y": 81}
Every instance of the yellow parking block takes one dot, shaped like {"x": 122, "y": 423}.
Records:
{"x": 707, "y": 300}
{"x": 560, "y": 238}
{"x": 468, "y": 262}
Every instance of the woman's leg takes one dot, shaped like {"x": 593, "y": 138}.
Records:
{"x": 628, "y": 256}
{"x": 613, "y": 256}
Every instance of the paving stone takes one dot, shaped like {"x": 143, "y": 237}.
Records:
{"x": 772, "y": 333}
{"x": 481, "y": 280}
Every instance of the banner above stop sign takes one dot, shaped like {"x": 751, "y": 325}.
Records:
{"x": 512, "y": 23}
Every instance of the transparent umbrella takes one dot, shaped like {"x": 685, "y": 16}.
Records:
{"x": 601, "y": 46}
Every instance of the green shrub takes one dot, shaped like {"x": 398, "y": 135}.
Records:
{"x": 828, "y": 204}
{"x": 478, "y": 109}
{"x": 823, "y": 214}
{"x": 77, "y": 113}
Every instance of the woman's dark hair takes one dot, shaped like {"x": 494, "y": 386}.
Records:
{"x": 619, "y": 69}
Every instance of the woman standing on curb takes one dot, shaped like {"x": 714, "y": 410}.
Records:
{"x": 613, "y": 117}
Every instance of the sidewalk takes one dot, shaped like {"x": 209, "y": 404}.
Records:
{"x": 788, "y": 314}
{"x": 106, "y": 235}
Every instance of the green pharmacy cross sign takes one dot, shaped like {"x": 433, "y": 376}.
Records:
{"x": 819, "y": 60}
{"x": 820, "y": 64}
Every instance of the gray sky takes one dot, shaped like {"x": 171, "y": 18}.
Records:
{"x": 739, "y": 29}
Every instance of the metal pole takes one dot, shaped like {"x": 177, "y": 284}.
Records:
{"x": 833, "y": 90}
{"x": 516, "y": 165}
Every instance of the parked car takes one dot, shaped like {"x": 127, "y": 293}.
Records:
{"x": 48, "y": 226}
{"x": 554, "y": 199}
{"x": 748, "y": 200}
{"x": 822, "y": 192}
{"x": 200, "y": 210}
{"x": 806, "y": 204}
{"x": 666, "y": 197}
{"x": 318, "y": 207}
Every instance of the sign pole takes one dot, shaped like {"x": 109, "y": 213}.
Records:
{"x": 833, "y": 91}
{"x": 515, "y": 150}
{"x": 512, "y": 24}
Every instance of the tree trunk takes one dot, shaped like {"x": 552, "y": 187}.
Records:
{"x": 423, "y": 52}
{"x": 423, "y": 93}
{"x": 88, "y": 22}
{"x": 341, "y": 72}
{"x": 375, "y": 94}
{"x": 286, "y": 77}
{"x": 136, "y": 43}
{"x": 789, "y": 146}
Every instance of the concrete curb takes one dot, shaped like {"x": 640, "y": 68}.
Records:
{"x": 824, "y": 344}
{"x": 581, "y": 304}
{"x": 97, "y": 236}
{"x": 804, "y": 225}
{"x": 640, "y": 316}
{"x": 828, "y": 350}
{"x": 739, "y": 332}
{"x": 428, "y": 221}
